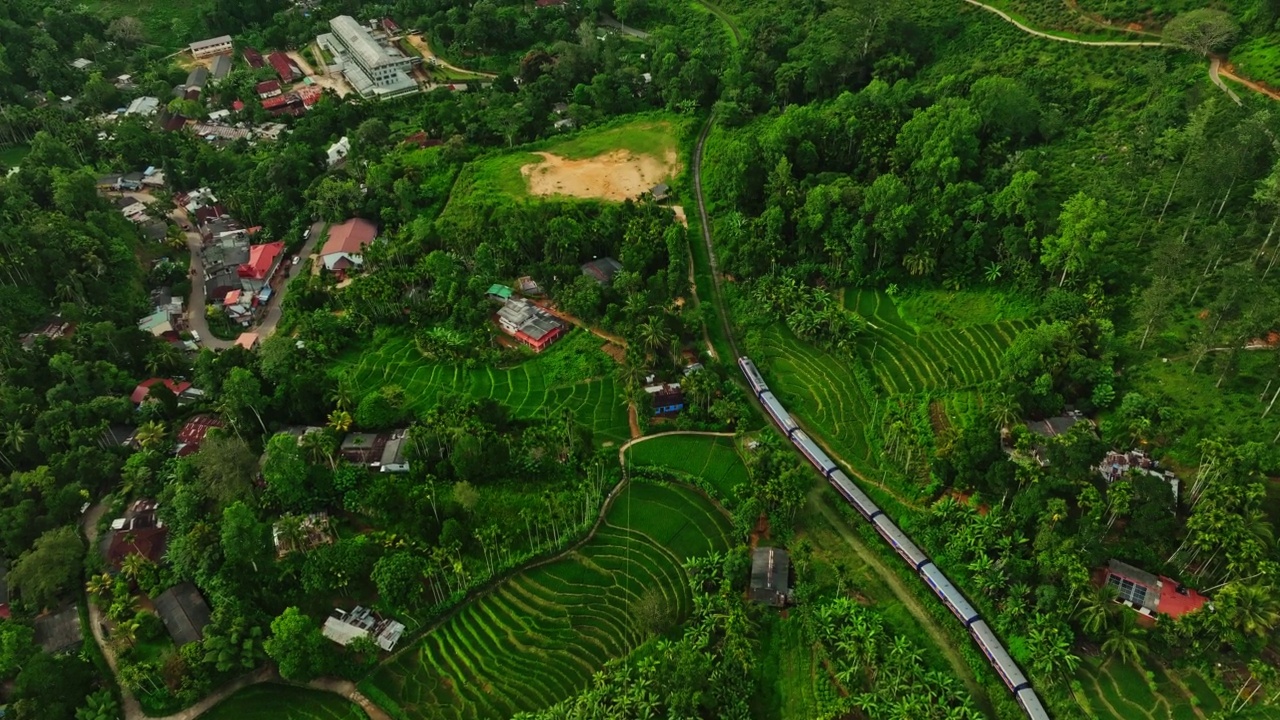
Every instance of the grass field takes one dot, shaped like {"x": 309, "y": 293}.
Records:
{"x": 12, "y": 156}
{"x": 500, "y": 174}
{"x": 272, "y": 701}
{"x": 166, "y": 23}
{"x": 1259, "y": 59}
{"x": 538, "y": 637}
{"x": 528, "y": 389}
{"x": 905, "y": 360}
{"x": 714, "y": 459}
{"x": 1120, "y": 691}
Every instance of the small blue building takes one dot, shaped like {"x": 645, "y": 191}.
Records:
{"x": 667, "y": 399}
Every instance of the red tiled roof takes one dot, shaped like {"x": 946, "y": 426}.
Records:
{"x": 421, "y": 140}
{"x": 238, "y": 105}
{"x": 194, "y": 432}
{"x": 275, "y": 102}
{"x": 261, "y": 259}
{"x": 283, "y": 65}
{"x": 390, "y": 25}
{"x": 1174, "y": 603}
{"x": 267, "y": 87}
{"x": 144, "y": 388}
{"x": 247, "y": 340}
{"x": 350, "y": 237}
{"x": 253, "y": 57}
{"x": 148, "y": 542}
{"x": 232, "y": 298}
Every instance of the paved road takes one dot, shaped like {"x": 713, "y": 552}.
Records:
{"x": 1073, "y": 41}
{"x": 607, "y": 20}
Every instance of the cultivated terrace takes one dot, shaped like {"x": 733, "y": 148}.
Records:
{"x": 381, "y": 359}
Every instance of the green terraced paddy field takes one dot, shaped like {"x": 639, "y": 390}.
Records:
{"x": 538, "y": 637}
{"x": 1120, "y": 691}
{"x": 906, "y": 361}
{"x": 272, "y": 701}
{"x": 526, "y": 388}
{"x": 714, "y": 459}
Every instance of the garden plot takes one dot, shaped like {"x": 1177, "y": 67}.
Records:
{"x": 538, "y": 637}
{"x": 530, "y": 389}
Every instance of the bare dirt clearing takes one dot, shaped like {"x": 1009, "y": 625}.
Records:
{"x": 616, "y": 175}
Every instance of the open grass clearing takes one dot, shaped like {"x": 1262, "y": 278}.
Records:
{"x": 273, "y": 701}
{"x": 714, "y": 459}
{"x": 166, "y": 23}
{"x": 611, "y": 163}
{"x": 530, "y": 389}
{"x": 538, "y": 636}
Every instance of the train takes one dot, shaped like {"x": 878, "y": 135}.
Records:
{"x": 948, "y": 593}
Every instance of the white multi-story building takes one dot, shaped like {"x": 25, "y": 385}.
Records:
{"x": 372, "y": 68}
{"x": 211, "y": 47}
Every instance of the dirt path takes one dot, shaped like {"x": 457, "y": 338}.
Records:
{"x": 1215, "y": 68}
{"x": 89, "y": 526}
{"x": 1073, "y": 41}
{"x": 909, "y": 601}
{"x": 347, "y": 689}
{"x": 420, "y": 42}
{"x": 598, "y": 332}
{"x": 633, "y": 421}
{"x": 622, "y": 451}
{"x": 1256, "y": 87}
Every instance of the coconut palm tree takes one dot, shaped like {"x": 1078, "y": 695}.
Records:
{"x": 1250, "y": 609}
{"x": 1003, "y": 409}
{"x": 653, "y": 335}
{"x": 340, "y": 420}
{"x": 1126, "y": 640}
{"x": 150, "y": 434}
{"x": 99, "y": 585}
{"x": 1095, "y": 609}
{"x": 133, "y": 565}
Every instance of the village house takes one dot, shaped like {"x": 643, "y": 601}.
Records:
{"x": 1042, "y": 431}
{"x": 338, "y": 151}
{"x": 253, "y": 58}
{"x": 59, "y": 632}
{"x": 498, "y": 293}
{"x": 1149, "y": 594}
{"x": 54, "y": 329}
{"x": 668, "y": 399}
{"x": 262, "y": 264}
{"x": 362, "y": 448}
{"x": 145, "y": 106}
{"x": 197, "y": 79}
{"x": 344, "y": 248}
{"x": 284, "y": 66}
{"x": 249, "y": 341}
{"x": 139, "y": 532}
{"x": 602, "y": 269}
{"x": 529, "y": 324}
{"x": 184, "y": 613}
{"x": 343, "y": 627}
{"x": 1116, "y": 465}
{"x": 312, "y": 531}
{"x": 660, "y": 192}
{"x": 770, "y": 576}
{"x": 180, "y": 388}
{"x": 211, "y": 47}
{"x": 81, "y": 63}
{"x": 193, "y": 433}
{"x": 221, "y": 67}
{"x": 393, "y": 458}
{"x": 268, "y": 89}
{"x": 222, "y": 261}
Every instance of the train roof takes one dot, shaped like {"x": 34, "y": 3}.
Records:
{"x": 900, "y": 538}
{"x": 859, "y": 497}
{"x": 999, "y": 655}
{"x": 951, "y": 592}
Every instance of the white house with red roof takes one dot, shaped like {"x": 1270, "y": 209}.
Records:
{"x": 345, "y": 247}
{"x": 262, "y": 263}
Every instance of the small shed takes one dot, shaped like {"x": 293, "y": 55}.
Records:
{"x": 770, "y": 576}
{"x": 184, "y": 612}
{"x": 60, "y": 631}
{"x": 602, "y": 269}
{"x": 660, "y": 192}
{"x": 498, "y": 293}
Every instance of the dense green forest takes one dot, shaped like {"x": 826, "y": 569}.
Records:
{"x": 931, "y": 229}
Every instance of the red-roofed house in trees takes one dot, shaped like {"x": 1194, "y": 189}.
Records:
{"x": 139, "y": 532}
{"x": 254, "y": 58}
{"x": 345, "y": 247}
{"x": 284, "y": 66}
{"x": 1150, "y": 594}
{"x": 268, "y": 88}
{"x": 191, "y": 435}
{"x": 140, "y": 393}
{"x": 263, "y": 261}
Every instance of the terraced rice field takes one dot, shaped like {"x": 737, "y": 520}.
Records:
{"x": 272, "y": 701}
{"x": 538, "y": 637}
{"x": 818, "y": 388}
{"x": 525, "y": 388}
{"x": 715, "y": 459}
{"x": 1120, "y": 691}
{"x": 906, "y": 361}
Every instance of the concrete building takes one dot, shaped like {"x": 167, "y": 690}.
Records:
{"x": 373, "y": 69}
{"x": 529, "y": 324}
{"x": 211, "y": 47}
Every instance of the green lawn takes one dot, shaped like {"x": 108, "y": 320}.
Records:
{"x": 539, "y": 636}
{"x": 272, "y": 701}
{"x": 1259, "y": 59}
{"x": 529, "y": 389}
{"x": 715, "y": 459}
{"x": 500, "y": 174}
{"x": 12, "y": 156}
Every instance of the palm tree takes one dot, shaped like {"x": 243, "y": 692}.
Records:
{"x": 340, "y": 420}
{"x": 653, "y": 335}
{"x": 992, "y": 272}
{"x": 1251, "y": 609}
{"x": 919, "y": 262}
{"x": 1125, "y": 640}
{"x": 1096, "y": 608}
{"x": 99, "y": 585}
{"x": 1004, "y": 409}
{"x": 133, "y": 565}
{"x": 150, "y": 434}
{"x": 343, "y": 394}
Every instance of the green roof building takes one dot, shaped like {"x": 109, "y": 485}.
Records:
{"x": 499, "y": 293}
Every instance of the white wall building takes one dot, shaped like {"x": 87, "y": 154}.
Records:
{"x": 211, "y": 47}
{"x": 373, "y": 69}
